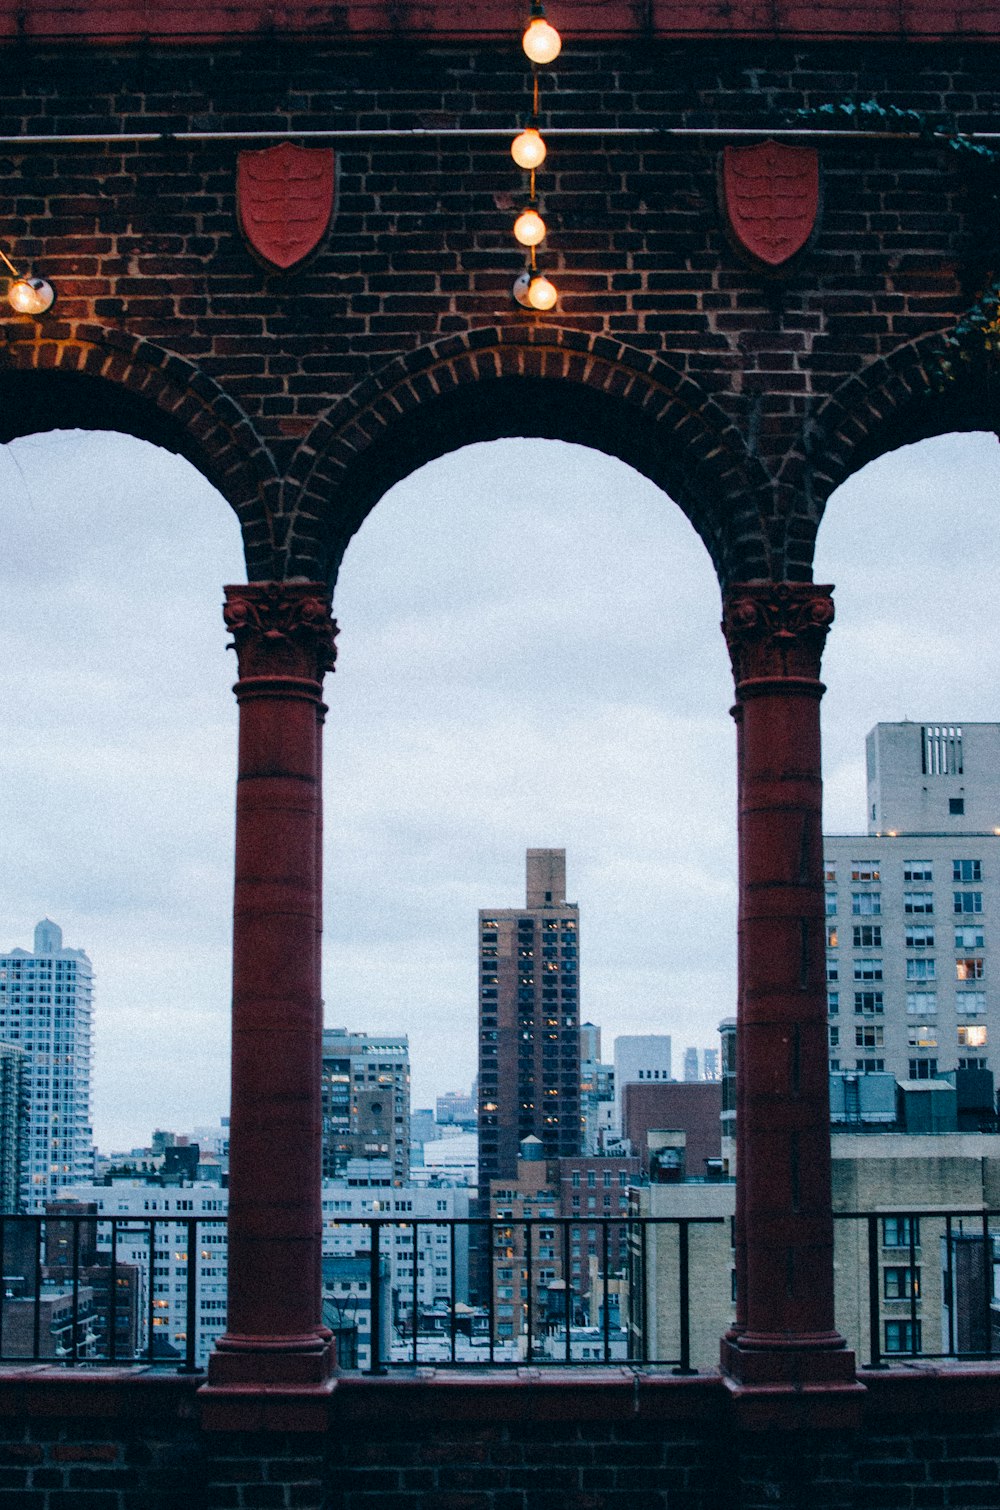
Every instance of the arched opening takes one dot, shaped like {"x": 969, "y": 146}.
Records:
{"x": 529, "y": 656}
{"x": 118, "y": 767}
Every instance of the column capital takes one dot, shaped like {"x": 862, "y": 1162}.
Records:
{"x": 281, "y": 629}
{"x": 776, "y": 632}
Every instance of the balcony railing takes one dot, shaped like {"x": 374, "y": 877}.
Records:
{"x": 401, "y": 1292}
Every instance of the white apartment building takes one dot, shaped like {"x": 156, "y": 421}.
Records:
{"x": 46, "y": 1003}
{"x": 420, "y": 1270}
{"x": 156, "y": 1211}
{"x": 913, "y": 907}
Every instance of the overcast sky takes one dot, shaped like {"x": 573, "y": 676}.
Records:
{"x": 529, "y": 655}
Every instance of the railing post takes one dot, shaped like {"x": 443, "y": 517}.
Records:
{"x": 988, "y": 1283}
{"x": 874, "y": 1299}
{"x": 191, "y": 1331}
{"x": 684, "y": 1298}
{"x": 376, "y": 1366}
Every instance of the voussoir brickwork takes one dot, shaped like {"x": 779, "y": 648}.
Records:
{"x": 748, "y": 394}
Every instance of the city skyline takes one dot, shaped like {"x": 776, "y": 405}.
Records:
{"x": 549, "y": 674}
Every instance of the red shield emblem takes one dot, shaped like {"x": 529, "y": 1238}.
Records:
{"x": 284, "y": 198}
{"x": 771, "y": 198}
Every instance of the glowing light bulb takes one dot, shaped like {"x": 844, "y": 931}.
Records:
{"x": 541, "y": 293}
{"x": 529, "y": 228}
{"x": 30, "y": 296}
{"x": 541, "y": 42}
{"x": 528, "y": 149}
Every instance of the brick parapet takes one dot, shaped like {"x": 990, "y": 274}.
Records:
{"x": 792, "y": 380}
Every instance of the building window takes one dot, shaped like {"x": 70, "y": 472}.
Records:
{"x": 834, "y": 1066}
{"x": 966, "y": 870}
{"x": 922, "y": 1036}
{"x": 969, "y": 969}
{"x": 901, "y": 1284}
{"x": 869, "y": 1003}
{"x": 956, "y": 806}
{"x": 900, "y": 1231}
{"x": 866, "y": 904}
{"x": 869, "y": 1066}
{"x": 834, "y": 1033}
{"x": 865, "y": 870}
{"x": 833, "y": 1003}
{"x": 972, "y": 1036}
{"x": 920, "y": 936}
{"x": 867, "y": 969}
{"x": 832, "y": 969}
{"x": 920, "y": 969}
{"x": 918, "y": 901}
{"x": 867, "y": 935}
{"x": 917, "y": 870}
{"x": 831, "y": 904}
{"x": 902, "y": 1337}
{"x": 869, "y": 1036}
{"x": 970, "y": 1002}
{"x": 971, "y": 937}
{"x": 923, "y": 1069}
{"x": 968, "y": 901}
{"x": 921, "y": 1003}
{"x": 832, "y": 939}
{"x": 941, "y": 750}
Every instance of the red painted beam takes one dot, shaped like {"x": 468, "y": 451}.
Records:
{"x": 492, "y": 20}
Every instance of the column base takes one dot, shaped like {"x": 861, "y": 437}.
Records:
{"x": 306, "y": 1360}
{"x": 777, "y": 1383}
{"x": 763, "y": 1358}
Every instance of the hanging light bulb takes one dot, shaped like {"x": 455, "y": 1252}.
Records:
{"x": 534, "y": 291}
{"x": 30, "y": 296}
{"x": 529, "y": 228}
{"x": 541, "y": 293}
{"x": 541, "y": 42}
{"x": 528, "y": 150}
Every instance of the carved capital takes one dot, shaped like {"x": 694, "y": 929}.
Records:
{"x": 281, "y": 629}
{"x": 776, "y": 630}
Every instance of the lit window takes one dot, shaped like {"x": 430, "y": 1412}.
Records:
{"x": 972, "y": 1036}
{"x": 831, "y": 937}
{"x": 969, "y": 969}
{"x": 865, "y": 870}
{"x": 922, "y": 1036}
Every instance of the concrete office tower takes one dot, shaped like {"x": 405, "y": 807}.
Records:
{"x": 529, "y": 1022}
{"x": 692, "y": 1070}
{"x": 639, "y": 1059}
{"x": 366, "y": 1102}
{"x": 913, "y": 907}
{"x": 45, "y": 1008}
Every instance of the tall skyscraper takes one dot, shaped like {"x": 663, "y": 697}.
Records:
{"x": 529, "y": 1022}
{"x": 913, "y": 907}
{"x": 366, "y": 1102}
{"x": 46, "y": 1002}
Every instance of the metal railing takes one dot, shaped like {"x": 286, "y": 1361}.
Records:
{"x": 444, "y": 1292}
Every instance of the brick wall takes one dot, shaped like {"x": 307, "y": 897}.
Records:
{"x": 601, "y": 1440}
{"x": 304, "y": 395}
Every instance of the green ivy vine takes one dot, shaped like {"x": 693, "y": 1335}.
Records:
{"x": 977, "y": 333}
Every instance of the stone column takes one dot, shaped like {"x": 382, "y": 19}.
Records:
{"x": 785, "y": 1331}
{"x": 283, "y": 636}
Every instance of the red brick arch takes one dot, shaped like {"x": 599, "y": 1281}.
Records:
{"x": 107, "y": 380}
{"x": 534, "y": 381}
{"x": 893, "y": 402}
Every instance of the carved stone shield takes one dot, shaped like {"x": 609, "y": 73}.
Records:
{"x": 284, "y": 199}
{"x": 770, "y": 194}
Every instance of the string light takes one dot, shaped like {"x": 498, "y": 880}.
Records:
{"x": 27, "y": 295}
{"x": 541, "y": 42}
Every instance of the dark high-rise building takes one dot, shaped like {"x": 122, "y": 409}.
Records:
{"x": 529, "y": 1023}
